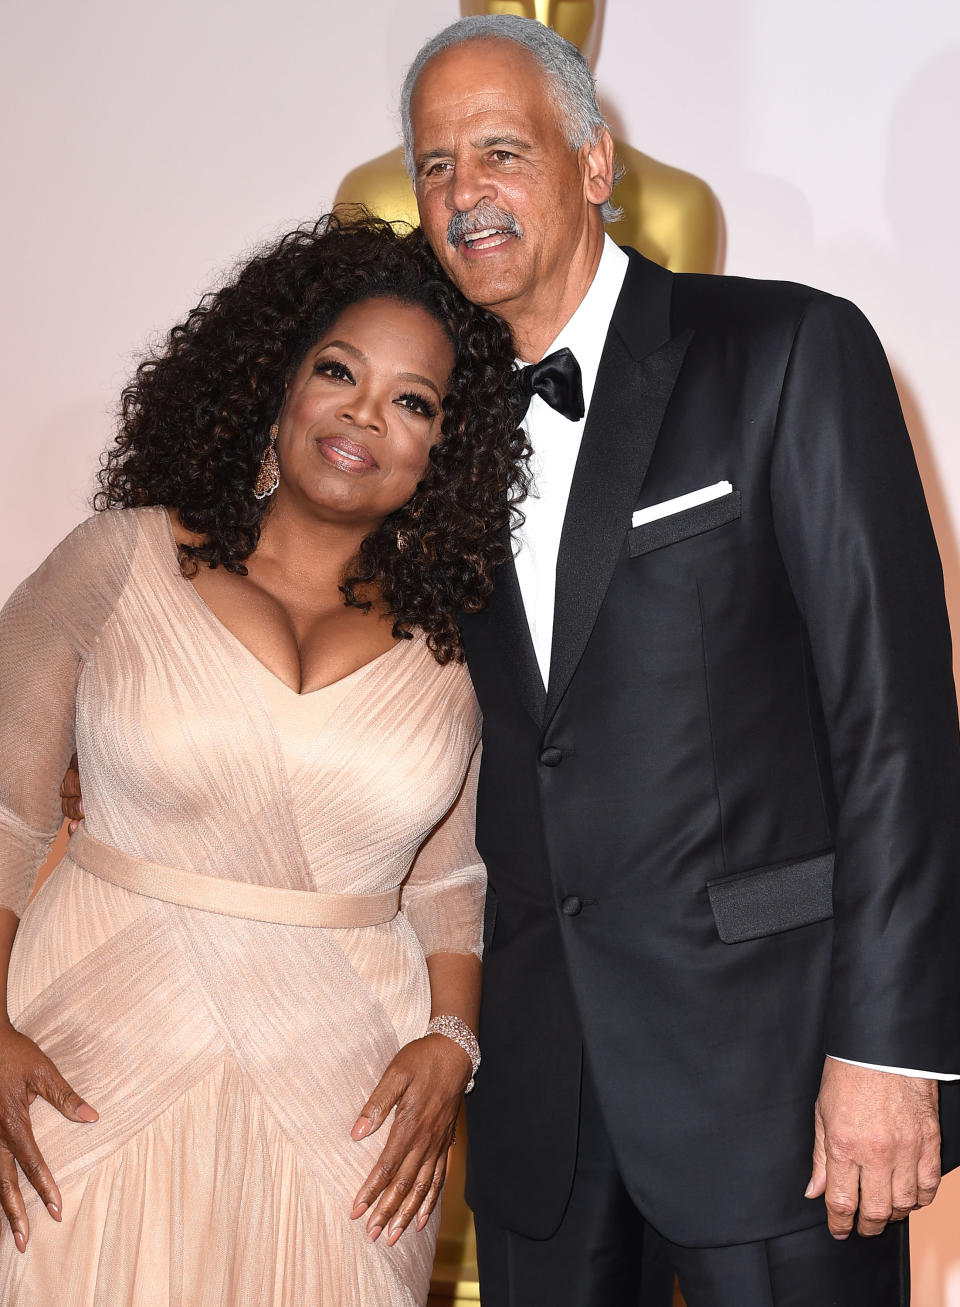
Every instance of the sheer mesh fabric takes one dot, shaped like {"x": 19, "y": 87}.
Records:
{"x": 34, "y": 730}
{"x": 228, "y": 1058}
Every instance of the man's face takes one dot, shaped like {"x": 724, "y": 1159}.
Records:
{"x": 503, "y": 198}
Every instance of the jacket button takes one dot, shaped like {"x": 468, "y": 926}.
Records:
{"x": 571, "y": 905}
{"x": 551, "y": 757}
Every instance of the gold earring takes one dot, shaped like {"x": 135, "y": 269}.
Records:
{"x": 268, "y": 478}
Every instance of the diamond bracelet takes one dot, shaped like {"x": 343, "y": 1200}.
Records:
{"x": 457, "y": 1029}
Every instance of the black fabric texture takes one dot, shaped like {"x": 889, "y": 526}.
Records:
{"x": 558, "y": 381}
{"x": 604, "y": 1254}
{"x": 758, "y": 903}
{"x": 680, "y": 526}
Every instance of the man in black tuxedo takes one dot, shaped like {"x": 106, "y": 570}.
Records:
{"x": 719, "y": 796}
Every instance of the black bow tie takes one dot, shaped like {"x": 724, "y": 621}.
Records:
{"x": 556, "y": 379}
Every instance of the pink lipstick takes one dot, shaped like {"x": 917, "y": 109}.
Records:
{"x": 347, "y": 455}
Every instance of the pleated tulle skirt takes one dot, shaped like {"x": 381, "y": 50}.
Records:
{"x": 228, "y": 1061}
{"x": 208, "y": 1206}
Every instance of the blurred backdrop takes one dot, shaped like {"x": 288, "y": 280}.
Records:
{"x": 147, "y": 147}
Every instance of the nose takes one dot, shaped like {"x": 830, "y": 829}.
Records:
{"x": 363, "y": 407}
{"x": 470, "y": 183}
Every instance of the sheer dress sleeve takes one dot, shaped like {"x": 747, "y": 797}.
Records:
{"x": 444, "y": 893}
{"x": 47, "y": 628}
{"x": 38, "y": 681}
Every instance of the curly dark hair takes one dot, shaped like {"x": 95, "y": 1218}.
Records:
{"x": 194, "y": 421}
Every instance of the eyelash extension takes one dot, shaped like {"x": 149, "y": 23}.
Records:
{"x": 335, "y": 368}
{"x": 416, "y": 403}
{"x": 423, "y": 405}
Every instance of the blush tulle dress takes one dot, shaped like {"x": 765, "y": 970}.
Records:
{"x": 218, "y": 965}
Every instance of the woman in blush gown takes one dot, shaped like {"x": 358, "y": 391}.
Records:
{"x": 253, "y": 649}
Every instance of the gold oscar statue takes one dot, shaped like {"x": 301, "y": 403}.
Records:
{"x": 668, "y": 214}
{"x": 673, "y": 218}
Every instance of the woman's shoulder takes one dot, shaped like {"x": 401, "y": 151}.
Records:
{"x": 81, "y": 579}
{"x": 100, "y": 545}
{"x": 448, "y": 686}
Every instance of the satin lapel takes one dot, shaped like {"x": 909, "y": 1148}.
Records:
{"x": 629, "y": 401}
{"x": 505, "y": 622}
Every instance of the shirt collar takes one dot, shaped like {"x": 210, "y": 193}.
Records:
{"x": 585, "y": 332}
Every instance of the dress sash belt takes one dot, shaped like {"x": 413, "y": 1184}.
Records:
{"x": 231, "y": 898}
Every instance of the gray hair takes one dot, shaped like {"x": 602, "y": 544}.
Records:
{"x": 572, "y": 84}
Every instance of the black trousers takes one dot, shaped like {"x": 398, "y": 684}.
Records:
{"x": 605, "y": 1255}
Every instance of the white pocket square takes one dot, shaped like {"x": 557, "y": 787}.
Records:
{"x": 677, "y": 505}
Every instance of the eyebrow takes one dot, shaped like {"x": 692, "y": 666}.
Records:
{"x": 484, "y": 143}
{"x": 424, "y": 381}
{"x": 349, "y": 349}
{"x": 364, "y": 358}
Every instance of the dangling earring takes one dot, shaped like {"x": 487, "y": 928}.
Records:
{"x": 268, "y": 478}
{"x": 403, "y": 540}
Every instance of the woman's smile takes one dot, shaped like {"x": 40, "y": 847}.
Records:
{"x": 347, "y": 455}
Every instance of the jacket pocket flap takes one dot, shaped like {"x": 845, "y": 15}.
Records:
{"x": 679, "y": 526}
{"x": 772, "y": 899}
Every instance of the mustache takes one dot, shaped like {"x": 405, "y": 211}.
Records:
{"x": 485, "y": 215}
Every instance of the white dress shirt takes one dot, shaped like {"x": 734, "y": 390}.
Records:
{"x": 555, "y": 441}
{"x": 556, "y": 444}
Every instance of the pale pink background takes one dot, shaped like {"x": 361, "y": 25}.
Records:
{"x": 145, "y": 147}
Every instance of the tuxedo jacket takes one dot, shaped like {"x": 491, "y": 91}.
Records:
{"x": 724, "y": 840}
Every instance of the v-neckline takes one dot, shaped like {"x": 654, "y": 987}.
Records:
{"x": 237, "y": 643}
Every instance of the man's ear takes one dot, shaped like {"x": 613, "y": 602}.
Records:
{"x": 598, "y": 169}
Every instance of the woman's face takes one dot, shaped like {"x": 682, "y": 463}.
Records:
{"x": 363, "y": 410}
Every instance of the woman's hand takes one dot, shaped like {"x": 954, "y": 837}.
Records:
{"x": 25, "y": 1072}
{"x": 71, "y": 799}
{"x": 425, "y": 1081}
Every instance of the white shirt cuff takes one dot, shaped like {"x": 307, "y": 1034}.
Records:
{"x": 898, "y": 1070}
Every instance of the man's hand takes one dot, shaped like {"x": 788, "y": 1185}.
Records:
{"x": 876, "y": 1147}
{"x": 71, "y": 800}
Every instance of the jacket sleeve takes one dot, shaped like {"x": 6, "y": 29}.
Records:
{"x": 859, "y": 549}
{"x": 443, "y": 895}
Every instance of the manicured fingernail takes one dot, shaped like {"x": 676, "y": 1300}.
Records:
{"x": 87, "y": 1113}
{"x": 358, "y": 1210}
{"x": 375, "y": 1233}
{"x": 809, "y": 1189}
{"x": 361, "y": 1129}
{"x": 20, "y": 1241}
{"x": 422, "y": 1220}
{"x": 54, "y": 1211}
{"x": 393, "y": 1234}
